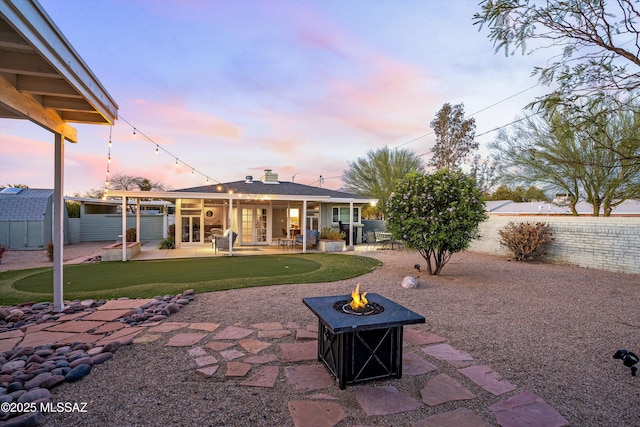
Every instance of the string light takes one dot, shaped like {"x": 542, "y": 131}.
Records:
{"x": 156, "y": 149}
{"x": 134, "y": 131}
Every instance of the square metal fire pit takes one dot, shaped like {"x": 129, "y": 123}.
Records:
{"x": 359, "y": 348}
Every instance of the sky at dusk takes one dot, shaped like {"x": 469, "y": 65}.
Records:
{"x": 233, "y": 87}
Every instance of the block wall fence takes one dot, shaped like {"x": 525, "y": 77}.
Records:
{"x": 611, "y": 244}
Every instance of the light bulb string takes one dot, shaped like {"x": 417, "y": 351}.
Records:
{"x": 159, "y": 147}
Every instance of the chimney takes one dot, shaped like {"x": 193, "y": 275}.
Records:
{"x": 269, "y": 177}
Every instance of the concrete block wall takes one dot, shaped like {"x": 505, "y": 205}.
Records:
{"x": 611, "y": 244}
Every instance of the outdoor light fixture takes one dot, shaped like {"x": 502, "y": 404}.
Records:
{"x": 628, "y": 359}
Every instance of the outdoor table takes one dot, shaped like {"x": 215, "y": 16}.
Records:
{"x": 358, "y": 348}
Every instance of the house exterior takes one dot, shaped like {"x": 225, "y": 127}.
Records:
{"x": 259, "y": 210}
{"x": 26, "y": 218}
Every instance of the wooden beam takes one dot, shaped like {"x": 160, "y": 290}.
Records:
{"x": 16, "y": 102}
{"x": 46, "y": 86}
{"x": 22, "y": 62}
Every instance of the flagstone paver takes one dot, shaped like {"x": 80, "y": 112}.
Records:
{"x": 308, "y": 377}
{"x": 415, "y": 337}
{"x": 119, "y": 304}
{"x": 263, "y": 358}
{"x": 318, "y": 414}
{"x": 233, "y": 333}
{"x": 108, "y": 315}
{"x": 9, "y": 343}
{"x": 38, "y": 338}
{"x": 253, "y": 346}
{"x": 76, "y": 326}
{"x": 269, "y": 326}
{"x": 209, "y": 327}
{"x": 11, "y": 334}
{"x": 184, "y": 340}
{"x": 85, "y": 338}
{"x": 237, "y": 369}
{"x": 265, "y": 377}
{"x": 205, "y": 360}
{"x": 197, "y": 352}
{"x": 147, "y": 338}
{"x": 110, "y": 327}
{"x": 488, "y": 379}
{"x": 457, "y": 418}
{"x": 412, "y": 364}
{"x": 297, "y": 352}
{"x": 207, "y": 372}
{"x": 446, "y": 352}
{"x": 37, "y": 327}
{"x": 274, "y": 334}
{"x": 219, "y": 345}
{"x": 168, "y": 327}
{"x": 123, "y": 335}
{"x": 527, "y": 409}
{"x": 230, "y": 355}
{"x": 303, "y": 334}
{"x": 442, "y": 388}
{"x": 385, "y": 400}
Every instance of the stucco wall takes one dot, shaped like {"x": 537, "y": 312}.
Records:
{"x": 611, "y": 244}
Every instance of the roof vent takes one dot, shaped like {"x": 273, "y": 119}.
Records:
{"x": 269, "y": 177}
{"x": 248, "y": 179}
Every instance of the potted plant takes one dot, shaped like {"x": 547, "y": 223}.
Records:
{"x": 331, "y": 240}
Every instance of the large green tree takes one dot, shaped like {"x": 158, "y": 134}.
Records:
{"x": 437, "y": 214}
{"x": 594, "y": 44}
{"x": 375, "y": 174}
{"x": 455, "y": 137}
{"x": 593, "y": 160}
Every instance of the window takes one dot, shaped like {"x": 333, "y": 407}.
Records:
{"x": 342, "y": 214}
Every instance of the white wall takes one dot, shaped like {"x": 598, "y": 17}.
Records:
{"x": 604, "y": 243}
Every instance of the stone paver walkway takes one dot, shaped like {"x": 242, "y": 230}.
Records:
{"x": 253, "y": 356}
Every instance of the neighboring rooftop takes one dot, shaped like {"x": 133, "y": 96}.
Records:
{"x": 27, "y": 204}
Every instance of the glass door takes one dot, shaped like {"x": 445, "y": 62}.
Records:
{"x": 254, "y": 225}
{"x": 190, "y": 229}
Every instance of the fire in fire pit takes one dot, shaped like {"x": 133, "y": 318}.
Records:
{"x": 359, "y": 305}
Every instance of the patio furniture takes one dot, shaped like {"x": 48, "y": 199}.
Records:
{"x": 384, "y": 239}
{"x": 222, "y": 242}
{"x": 312, "y": 238}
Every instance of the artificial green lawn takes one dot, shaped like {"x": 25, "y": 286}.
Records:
{"x": 144, "y": 279}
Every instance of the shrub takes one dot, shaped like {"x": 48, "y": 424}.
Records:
{"x": 168, "y": 243}
{"x": 437, "y": 214}
{"x": 131, "y": 234}
{"x": 2, "y": 251}
{"x": 526, "y": 239}
{"x": 329, "y": 233}
{"x": 50, "y": 251}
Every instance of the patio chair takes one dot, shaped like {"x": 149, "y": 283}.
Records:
{"x": 312, "y": 238}
{"x": 222, "y": 242}
{"x": 383, "y": 239}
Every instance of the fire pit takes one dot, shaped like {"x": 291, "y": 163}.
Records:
{"x": 361, "y": 344}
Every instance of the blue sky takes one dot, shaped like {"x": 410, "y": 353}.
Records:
{"x": 231, "y": 88}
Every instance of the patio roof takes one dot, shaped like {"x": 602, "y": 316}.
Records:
{"x": 44, "y": 80}
{"x": 42, "y": 77}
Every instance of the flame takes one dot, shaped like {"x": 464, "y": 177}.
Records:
{"x": 358, "y": 301}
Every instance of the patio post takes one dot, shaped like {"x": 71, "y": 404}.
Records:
{"x": 124, "y": 228}
{"x": 230, "y": 226}
{"x": 304, "y": 227}
{"x": 138, "y": 220}
{"x": 351, "y": 225}
{"x": 58, "y": 223}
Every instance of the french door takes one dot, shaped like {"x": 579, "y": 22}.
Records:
{"x": 190, "y": 229}
{"x": 253, "y": 225}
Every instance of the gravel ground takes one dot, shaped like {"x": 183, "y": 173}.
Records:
{"x": 546, "y": 328}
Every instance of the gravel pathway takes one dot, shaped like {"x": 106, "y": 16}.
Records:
{"x": 546, "y": 328}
